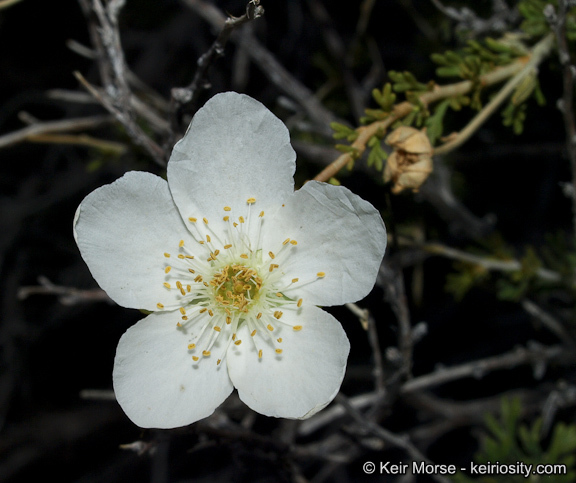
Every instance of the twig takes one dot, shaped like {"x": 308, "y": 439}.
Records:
{"x": 68, "y": 295}
{"x": 387, "y": 436}
{"x": 134, "y": 131}
{"x": 48, "y": 127}
{"x": 188, "y": 96}
{"x": 369, "y": 324}
{"x": 519, "y": 69}
{"x": 566, "y": 104}
{"x": 520, "y": 356}
{"x": 490, "y": 263}
{"x": 270, "y": 67}
{"x": 79, "y": 140}
{"x": 539, "y": 53}
{"x": 555, "y": 326}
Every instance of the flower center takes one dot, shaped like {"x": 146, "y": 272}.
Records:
{"x": 236, "y": 286}
{"x": 225, "y": 280}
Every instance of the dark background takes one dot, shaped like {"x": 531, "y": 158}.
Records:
{"x": 51, "y": 351}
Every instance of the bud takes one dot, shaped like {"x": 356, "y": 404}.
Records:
{"x": 410, "y": 163}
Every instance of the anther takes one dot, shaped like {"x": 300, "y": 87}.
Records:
{"x": 244, "y": 256}
{"x": 226, "y": 218}
{"x": 167, "y": 269}
{"x": 191, "y": 346}
{"x": 203, "y": 310}
{"x": 279, "y": 339}
{"x": 271, "y": 254}
{"x": 227, "y": 208}
{"x": 294, "y": 280}
{"x": 166, "y": 284}
{"x": 206, "y": 353}
{"x": 181, "y": 244}
{"x": 251, "y": 201}
{"x": 299, "y": 304}
{"x": 293, "y": 242}
{"x": 273, "y": 266}
{"x": 320, "y": 274}
{"x": 192, "y": 219}
{"x": 269, "y": 327}
{"x": 278, "y": 314}
{"x": 228, "y": 320}
{"x": 261, "y": 214}
{"x": 218, "y": 362}
{"x": 297, "y": 328}
{"x": 205, "y": 221}
{"x": 238, "y": 342}
{"x": 226, "y": 247}
{"x": 260, "y": 354}
{"x": 159, "y": 305}
{"x": 278, "y": 351}
{"x": 217, "y": 329}
{"x": 259, "y": 315}
{"x": 182, "y": 311}
{"x": 286, "y": 241}
{"x": 279, "y": 295}
{"x": 167, "y": 255}
{"x": 208, "y": 239}
{"x": 241, "y": 219}
{"x": 253, "y": 333}
{"x": 195, "y": 358}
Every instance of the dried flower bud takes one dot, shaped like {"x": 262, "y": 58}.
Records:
{"x": 410, "y": 163}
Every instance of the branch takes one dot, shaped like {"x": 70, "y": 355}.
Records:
{"x": 189, "y": 95}
{"x": 519, "y": 69}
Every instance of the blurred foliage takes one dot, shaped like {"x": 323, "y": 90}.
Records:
{"x": 511, "y": 442}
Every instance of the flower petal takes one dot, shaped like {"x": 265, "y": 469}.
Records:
{"x": 301, "y": 380}
{"x": 234, "y": 149}
{"x": 338, "y": 233}
{"x": 123, "y": 230}
{"x": 156, "y": 381}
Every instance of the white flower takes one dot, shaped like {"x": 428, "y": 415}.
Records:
{"x": 233, "y": 263}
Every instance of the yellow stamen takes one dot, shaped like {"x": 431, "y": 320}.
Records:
{"x": 279, "y": 339}
{"x": 270, "y": 328}
{"x": 208, "y": 239}
{"x": 286, "y": 241}
{"x": 206, "y": 353}
{"x": 226, "y": 218}
{"x": 293, "y": 242}
{"x": 184, "y": 317}
{"x": 261, "y": 214}
{"x": 218, "y": 362}
{"x": 203, "y": 310}
{"x": 182, "y": 311}
{"x": 227, "y": 208}
{"x": 294, "y": 280}
{"x": 167, "y": 255}
{"x": 181, "y": 244}
{"x": 181, "y": 257}
{"x": 279, "y": 295}
{"x": 244, "y": 255}
{"x": 260, "y": 354}
{"x": 205, "y": 221}
{"x": 272, "y": 256}
{"x": 192, "y": 219}
{"x": 278, "y": 351}
{"x": 297, "y": 328}
{"x": 251, "y": 200}
{"x": 217, "y": 329}
{"x": 278, "y": 314}
{"x": 241, "y": 219}
{"x": 166, "y": 284}
{"x": 253, "y": 333}
{"x": 259, "y": 315}
{"x": 299, "y": 304}
{"x": 159, "y": 305}
{"x": 226, "y": 247}
{"x": 238, "y": 342}
{"x": 210, "y": 313}
{"x": 320, "y": 274}
{"x": 228, "y": 320}
{"x": 167, "y": 269}
{"x": 191, "y": 346}
{"x": 195, "y": 358}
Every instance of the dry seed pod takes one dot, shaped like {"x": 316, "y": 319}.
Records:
{"x": 410, "y": 163}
